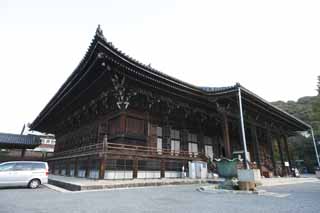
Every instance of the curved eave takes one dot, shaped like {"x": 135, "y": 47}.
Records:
{"x": 296, "y": 121}
{"x": 76, "y": 74}
{"x": 233, "y": 90}
{"x": 155, "y": 75}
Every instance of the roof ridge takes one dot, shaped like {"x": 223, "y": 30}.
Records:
{"x": 99, "y": 34}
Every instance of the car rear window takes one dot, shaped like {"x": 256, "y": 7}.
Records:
{"x": 38, "y": 166}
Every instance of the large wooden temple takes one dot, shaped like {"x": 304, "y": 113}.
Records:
{"x": 117, "y": 118}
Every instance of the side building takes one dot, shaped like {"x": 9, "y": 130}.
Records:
{"x": 115, "y": 118}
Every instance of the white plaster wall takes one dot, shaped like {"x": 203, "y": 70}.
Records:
{"x": 172, "y": 174}
{"x": 148, "y": 174}
{"x": 71, "y": 172}
{"x": 114, "y": 175}
{"x": 81, "y": 173}
{"x": 94, "y": 173}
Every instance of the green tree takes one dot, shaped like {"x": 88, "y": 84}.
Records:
{"x": 318, "y": 85}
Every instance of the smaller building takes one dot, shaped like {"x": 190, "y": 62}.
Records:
{"x": 26, "y": 147}
{"x": 47, "y": 143}
{"x": 14, "y": 147}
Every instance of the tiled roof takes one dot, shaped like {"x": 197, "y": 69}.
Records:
{"x": 217, "y": 89}
{"x": 19, "y": 141}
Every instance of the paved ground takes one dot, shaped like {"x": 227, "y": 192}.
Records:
{"x": 297, "y": 198}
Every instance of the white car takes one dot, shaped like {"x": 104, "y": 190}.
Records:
{"x": 24, "y": 173}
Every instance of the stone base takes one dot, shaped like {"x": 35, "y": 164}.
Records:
{"x": 249, "y": 175}
{"x": 318, "y": 174}
{"x": 247, "y": 186}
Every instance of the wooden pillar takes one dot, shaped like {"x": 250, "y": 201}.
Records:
{"x": 102, "y": 167}
{"x": 162, "y": 168}
{"x": 88, "y": 165}
{"x": 255, "y": 141}
{"x": 285, "y": 140}
{"x": 23, "y": 152}
{"x": 60, "y": 167}
{"x": 76, "y": 167}
{"x": 68, "y": 167}
{"x": 270, "y": 143}
{"x": 135, "y": 168}
{"x": 184, "y": 140}
{"x": 226, "y": 137}
{"x": 166, "y": 141}
{"x": 281, "y": 156}
{"x": 201, "y": 142}
{"x": 52, "y": 163}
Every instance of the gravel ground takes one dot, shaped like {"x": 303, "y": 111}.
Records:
{"x": 297, "y": 198}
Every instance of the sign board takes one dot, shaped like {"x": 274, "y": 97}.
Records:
{"x": 286, "y": 163}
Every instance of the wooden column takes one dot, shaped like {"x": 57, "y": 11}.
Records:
{"x": 52, "y": 166}
{"x": 184, "y": 140}
{"x": 23, "y": 152}
{"x": 285, "y": 140}
{"x": 88, "y": 165}
{"x": 281, "y": 156}
{"x": 59, "y": 171}
{"x": 270, "y": 143}
{"x": 255, "y": 141}
{"x": 76, "y": 167}
{"x": 166, "y": 142}
{"x": 68, "y": 167}
{"x": 102, "y": 167}
{"x": 135, "y": 168}
{"x": 226, "y": 137}
{"x": 162, "y": 168}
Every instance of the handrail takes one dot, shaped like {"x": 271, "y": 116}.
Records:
{"x": 135, "y": 149}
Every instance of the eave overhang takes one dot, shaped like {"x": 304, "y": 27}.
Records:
{"x": 100, "y": 45}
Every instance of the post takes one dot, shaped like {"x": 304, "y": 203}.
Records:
{"x": 102, "y": 167}
{"x": 226, "y": 138}
{"x": 68, "y": 167}
{"x": 243, "y": 131}
{"x": 76, "y": 167}
{"x": 162, "y": 168}
{"x": 315, "y": 147}
{"x": 269, "y": 140}
{"x": 23, "y": 152}
{"x": 88, "y": 167}
{"x": 281, "y": 156}
{"x": 287, "y": 151}
{"x": 135, "y": 168}
{"x": 255, "y": 142}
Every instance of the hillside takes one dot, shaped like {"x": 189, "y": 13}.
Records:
{"x": 307, "y": 109}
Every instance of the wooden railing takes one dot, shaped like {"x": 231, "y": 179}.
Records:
{"x": 126, "y": 149}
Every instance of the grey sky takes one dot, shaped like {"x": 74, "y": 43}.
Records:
{"x": 270, "y": 47}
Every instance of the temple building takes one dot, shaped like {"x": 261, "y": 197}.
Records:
{"x": 116, "y": 118}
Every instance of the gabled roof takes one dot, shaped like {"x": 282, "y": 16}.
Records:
{"x": 147, "y": 72}
{"x": 8, "y": 140}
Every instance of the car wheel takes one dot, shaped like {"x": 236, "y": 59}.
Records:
{"x": 33, "y": 184}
